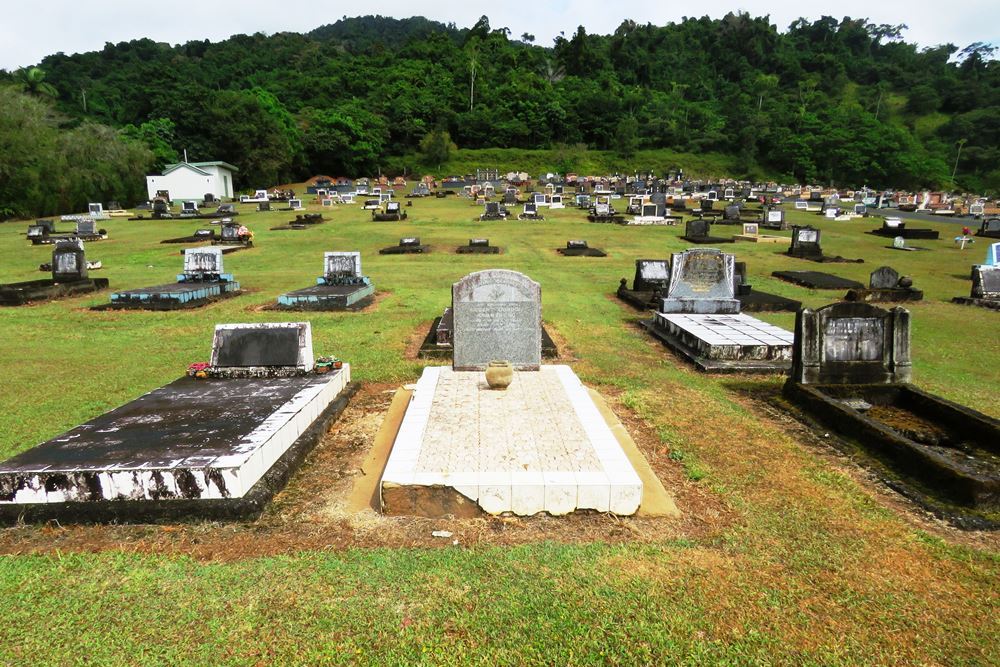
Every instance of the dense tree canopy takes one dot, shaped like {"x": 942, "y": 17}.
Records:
{"x": 839, "y": 101}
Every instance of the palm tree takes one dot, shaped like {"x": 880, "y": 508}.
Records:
{"x": 32, "y": 80}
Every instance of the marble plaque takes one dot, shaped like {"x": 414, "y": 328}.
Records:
{"x": 498, "y": 316}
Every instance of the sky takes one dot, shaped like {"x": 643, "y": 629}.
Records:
{"x": 28, "y": 32}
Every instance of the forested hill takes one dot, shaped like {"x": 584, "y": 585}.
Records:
{"x": 840, "y": 101}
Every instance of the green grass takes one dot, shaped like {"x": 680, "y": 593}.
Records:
{"x": 809, "y": 567}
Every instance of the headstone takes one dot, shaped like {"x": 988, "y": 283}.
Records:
{"x": 498, "y": 316}
{"x": 751, "y": 229}
{"x": 226, "y": 209}
{"x": 986, "y": 282}
{"x": 230, "y": 231}
{"x": 696, "y": 228}
{"x": 263, "y": 206}
{"x": 899, "y": 242}
{"x": 283, "y": 344}
{"x": 851, "y": 343}
{"x": 160, "y": 207}
{"x": 86, "y": 227}
{"x": 479, "y": 243}
{"x": 801, "y": 205}
{"x": 202, "y": 263}
{"x": 409, "y": 241}
{"x": 49, "y": 226}
{"x": 649, "y": 211}
{"x": 530, "y": 208}
{"x": 189, "y": 207}
{"x": 731, "y": 212}
{"x": 95, "y": 209}
{"x": 295, "y": 204}
{"x": 831, "y": 213}
{"x": 341, "y": 265}
{"x": 69, "y": 262}
{"x": 326, "y": 201}
{"x": 701, "y": 281}
{"x": 884, "y": 277}
{"x": 775, "y": 216}
{"x": 651, "y": 274}
{"x": 576, "y": 243}
{"x": 805, "y": 242}
{"x": 510, "y": 197}
{"x": 991, "y": 225}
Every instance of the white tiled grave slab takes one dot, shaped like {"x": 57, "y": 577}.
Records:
{"x": 191, "y": 439}
{"x": 541, "y": 445}
{"x": 728, "y": 336}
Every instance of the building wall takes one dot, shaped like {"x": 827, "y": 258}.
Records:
{"x": 188, "y": 184}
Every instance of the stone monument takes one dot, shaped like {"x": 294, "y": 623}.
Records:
{"x": 498, "y": 316}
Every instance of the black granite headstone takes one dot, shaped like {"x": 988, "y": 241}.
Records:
{"x": 257, "y": 347}
{"x": 884, "y": 277}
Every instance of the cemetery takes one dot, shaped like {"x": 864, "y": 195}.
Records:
{"x": 851, "y": 372}
{"x": 341, "y": 287}
{"x": 203, "y": 280}
{"x": 580, "y": 248}
{"x": 698, "y": 317}
{"x": 69, "y": 278}
{"x": 478, "y": 247}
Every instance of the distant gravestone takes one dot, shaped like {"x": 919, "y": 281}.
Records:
{"x": 899, "y": 242}
{"x": 69, "y": 262}
{"x": 202, "y": 262}
{"x": 851, "y": 343}
{"x": 751, "y": 229}
{"x": 263, "y": 206}
{"x": 701, "y": 281}
{"x": 409, "y": 241}
{"x": 884, "y": 277}
{"x": 283, "y": 344}
{"x": 651, "y": 274}
{"x": 341, "y": 265}
{"x": 775, "y": 217}
{"x": 86, "y": 227}
{"x": 805, "y": 242}
{"x": 696, "y": 229}
{"x": 498, "y": 316}
{"x": 986, "y": 282}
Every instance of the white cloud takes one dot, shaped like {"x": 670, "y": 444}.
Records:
{"x": 72, "y": 26}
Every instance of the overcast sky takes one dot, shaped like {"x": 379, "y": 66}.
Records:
{"x": 30, "y": 32}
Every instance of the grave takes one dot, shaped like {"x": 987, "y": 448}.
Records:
{"x": 751, "y": 234}
{"x": 990, "y": 228}
{"x": 86, "y": 230}
{"x": 654, "y": 214}
{"x": 233, "y": 234}
{"x": 390, "y": 211}
{"x": 69, "y": 278}
{"x": 263, "y": 206}
{"x": 540, "y": 445}
{"x": 530, "y": 212}
{"x": 985, "y": 288}
{"x": 478, "y": 247}
{"x": 851, "y": 372}
{"x": 189, "y": 209}
{"x": 699, "y": 231}
{"x": 893, "y": 227}
{"x": 699, "y": 318}
{"x": 579, "y": 248}
{"x": 603, "y": 211}
{"x": 438, "y": 341}
{"x": 817, "y": 280}
{"x": 899, "y": 243}
{"x": 198, "y": 236}
{"x": 774, "y": 218}
{"x": 493, "y": 211}
{"x": 886, "y": 285}
{"x": 215, "y": 444}
{"x": 43, "y": 232}
{"x": 805, "y": 245}
{"x": 651, "y": 279}
{"x": 301, "y": 221}
{"x": 406, "y": 246}
{"x": 341, "y": 287}
{"x": 203, "y": 281}
{"x": 223, "y": 211}
{"x": 419, "y": 190}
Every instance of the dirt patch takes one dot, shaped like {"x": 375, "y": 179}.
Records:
{"x": 416, "y": 339}
{"x": 311, "y": 513}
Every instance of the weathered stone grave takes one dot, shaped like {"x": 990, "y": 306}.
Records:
{"x": 233, "y": 234}
{"x": 69, "y": 278}
{"x": 751, "y": 234}
{"x": 699, "y": 318}
{"x": 406, "y": 246}
{"x": 985, "y": 288}
{"x": 886, "y": 285}
{"x": 817, "y": 280}
{"x": 200, "y": 235}
{"x": 530, "y": 212}
{"x": 699, "y": 230}
{"x": 478, "y": 247}
{"x": 389, "y": 211}
{"x": 342, "y": 286}
{"x": 990, "y": 228}
{"x": 806, "y": 245}
{"x": 580, "y": 248}
{"x": 202, "y": 281}
{"x": 301, "y": 221}
{"x": 851, "y": 371}
{"x": 216, "y": 444}
{"x": 893, "y": 227}
{"x": 774, "y": 218}
{"x": 540, "y": 445}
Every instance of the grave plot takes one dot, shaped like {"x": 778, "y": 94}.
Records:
{"x": 389, "y": 211}
{"x": 985, "y": 287}
{"x": 579, "y": 248}
{"x": 886, "y": 285}
{"x": 478, "y": 247}
{"x": 215, "y": 444}
{"x": 301, "y": 221}
{"x": 699, "y": 318}
{"x": 817, "y": 280}
{"x": 203, "y": 281}
{"x": 341, "y": 287}
{"x": 893, "y": 227}
{"x": 43, "y": 232}
{"x": 990, "y": 228}
{"x": 751, "y": 234}
{"x": 651, "y": 279}
{"x": 603, "y": 211}
{"x": 755, "y": 301}
{"x": 493, "y": 211}
{"x": 899, "y": 243}
{"x": 805, "y": 245}
{"x": 234, "y": 235}
{"x": 406, "y": 246}
{"x": 653, "y": 214}
{"x": 294, "y": 204}
{"x": 774, "y": 218}
{"x": 438, "y": 341}
{"x": 201, "y": 235}
{"x": 69, "y": 278}
{"x": 851, "y": 372}
{"x": 505, "y": 436}
{"x": 699, "y": 231}
{"x": 530, "y": 212}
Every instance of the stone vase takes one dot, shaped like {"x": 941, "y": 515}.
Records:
{"x": 499, "y": 374}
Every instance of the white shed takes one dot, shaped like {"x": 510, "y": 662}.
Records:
{"x": 193, "y": 180}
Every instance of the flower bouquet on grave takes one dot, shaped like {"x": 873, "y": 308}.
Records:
{"x": 327, "y": 364}
{"x": 198, "y": 370}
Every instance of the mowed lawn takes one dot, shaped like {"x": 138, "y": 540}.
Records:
{"x": 816, "y": 564}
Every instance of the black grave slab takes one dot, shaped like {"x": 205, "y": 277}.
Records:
{"x": 327, "y": 298}
{"x": 173, "y": 296}
{"x": 580, "y": 249}
{"x": 204, "y": 236}
{"x": 817, "y": 280}
{"x": 186, "y": 419}
{"x": 19, "y": 294}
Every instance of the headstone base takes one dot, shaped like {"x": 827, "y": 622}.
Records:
{"x": 174, "y": 296}
{"x": 992, "y": 304}
{"x": 19, "y": 294}
{"x": 327, "y": 297}
{"x": 725, "y": 343}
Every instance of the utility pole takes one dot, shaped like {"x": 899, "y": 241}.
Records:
{"x": 961, "y": 142}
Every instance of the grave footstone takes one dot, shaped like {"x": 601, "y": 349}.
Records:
{"x": 497, "y": 317}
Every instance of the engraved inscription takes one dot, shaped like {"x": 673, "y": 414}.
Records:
{"x": 853, "y": 339}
